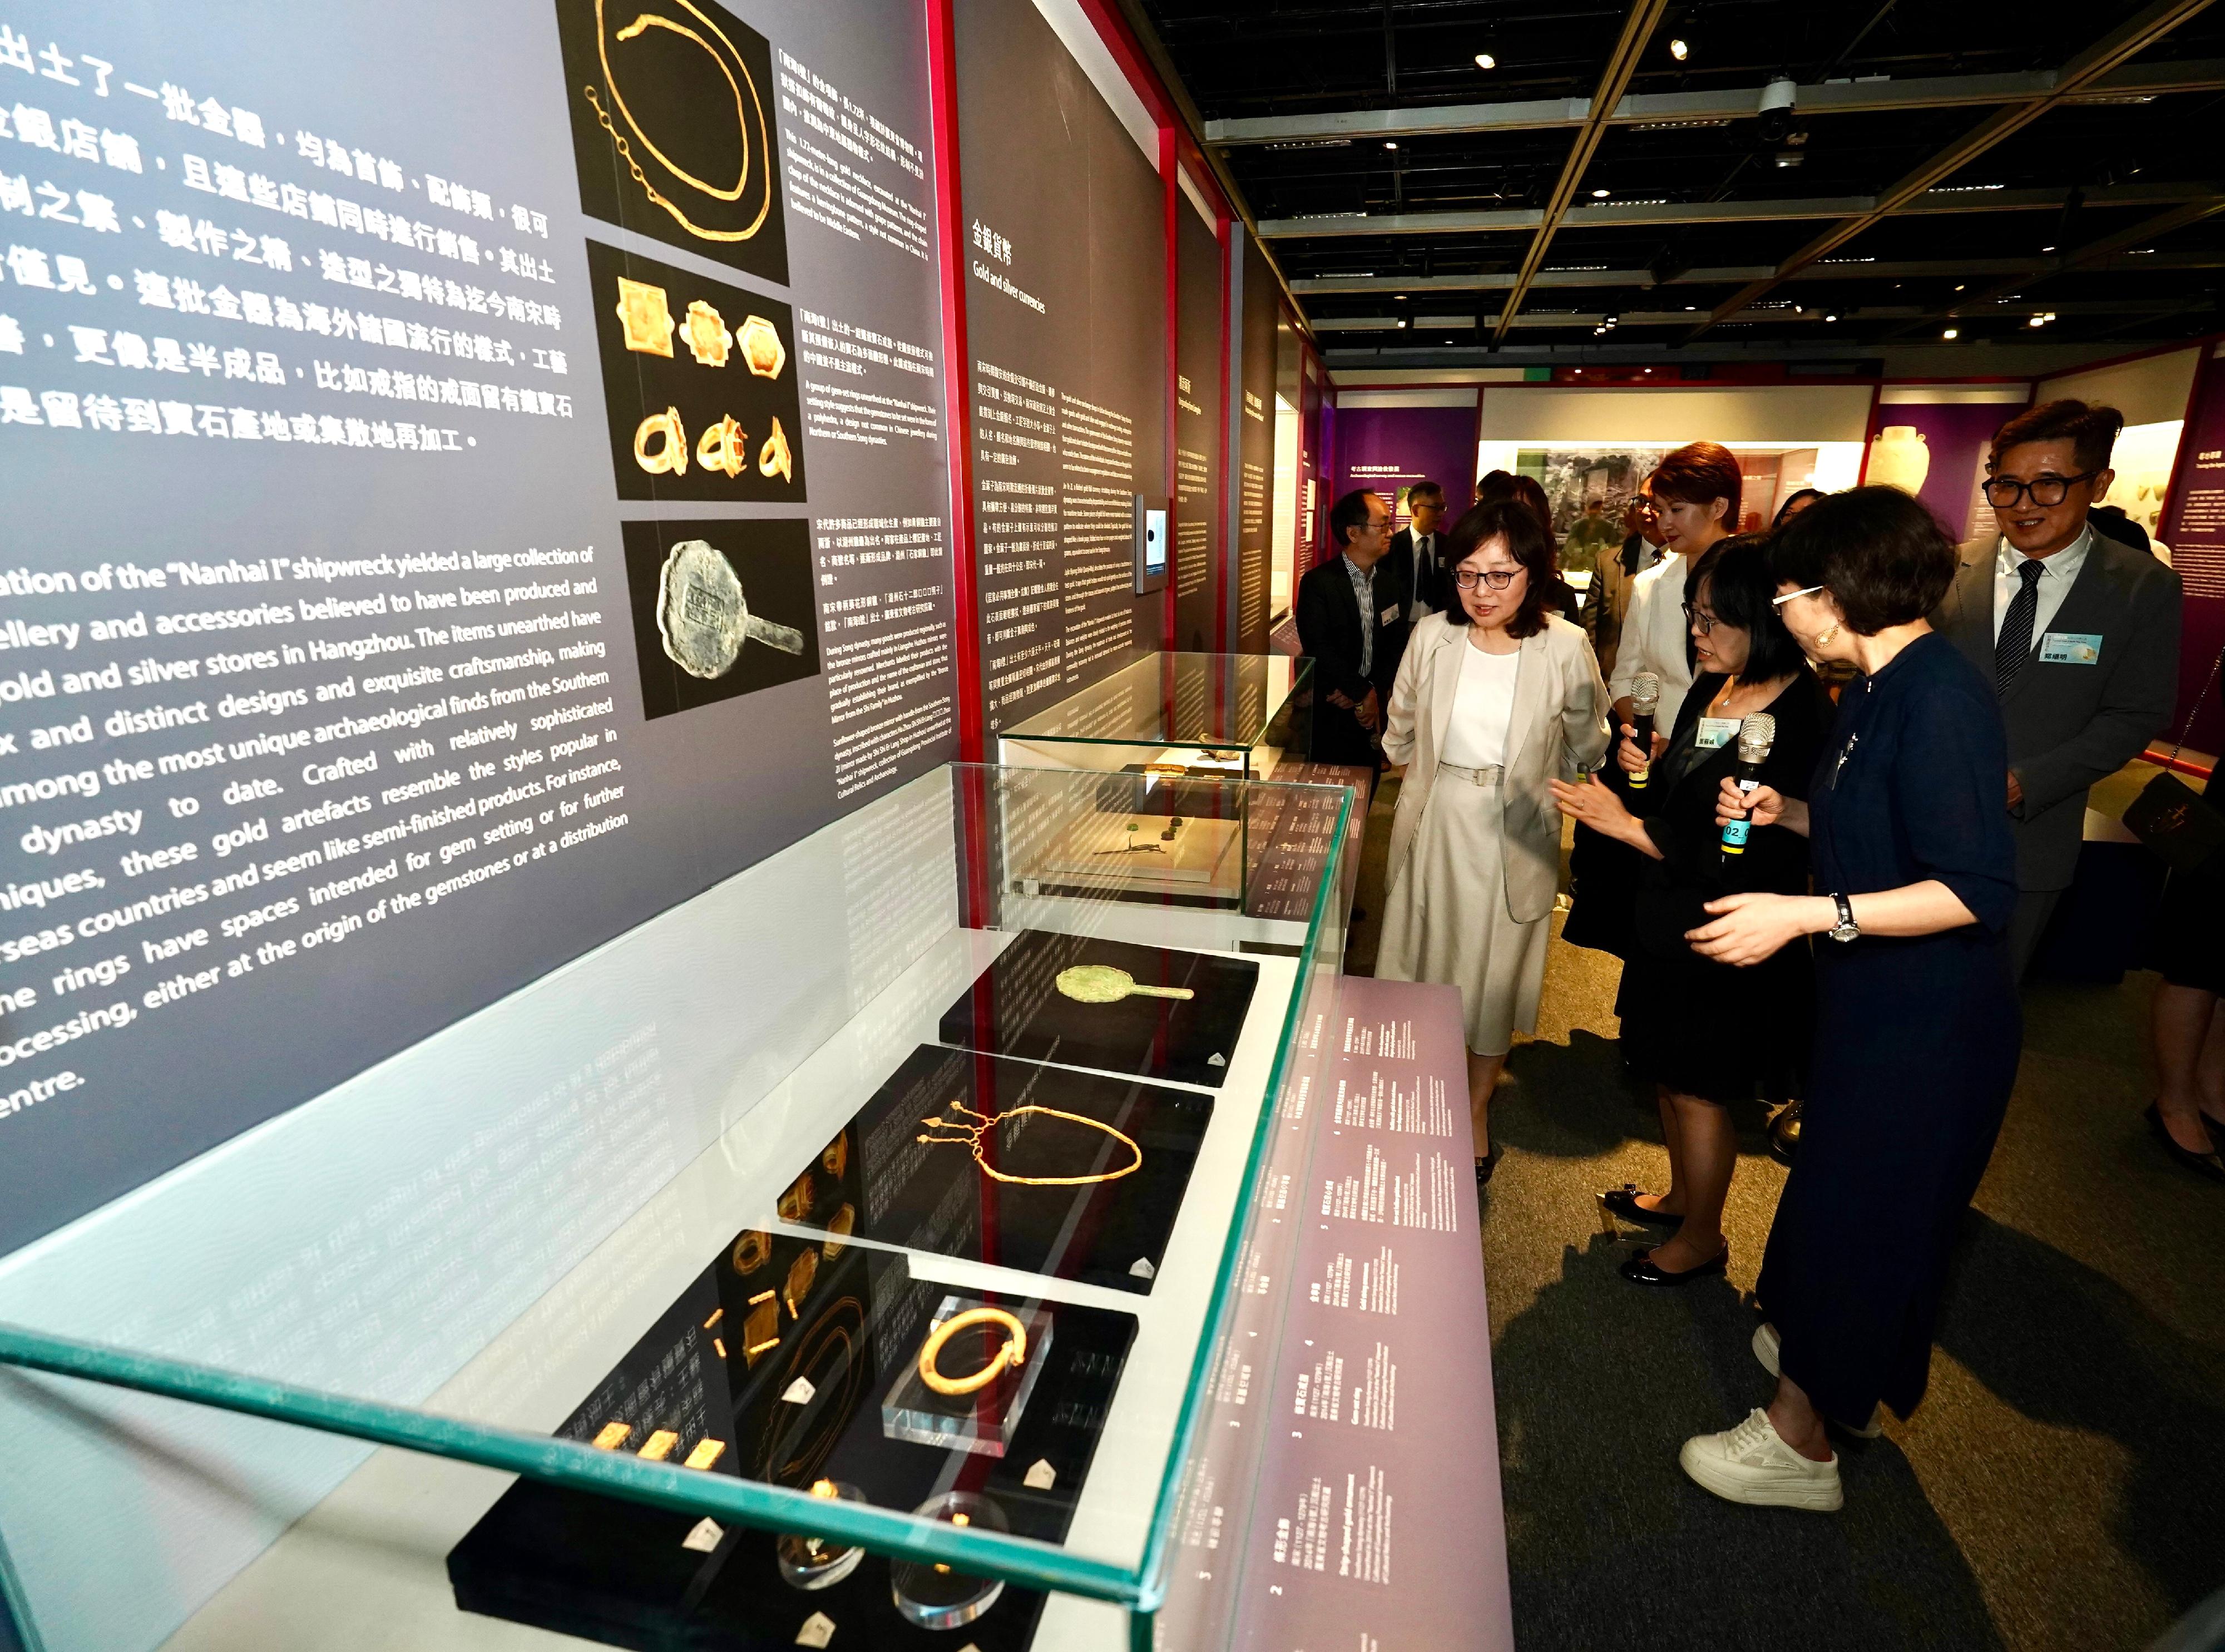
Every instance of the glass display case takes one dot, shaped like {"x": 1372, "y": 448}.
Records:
{"x": 850, "y": 1255}
{"x": 1186, "y": 724}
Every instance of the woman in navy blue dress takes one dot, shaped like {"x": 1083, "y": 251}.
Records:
{"x": 1918, "y": 1022}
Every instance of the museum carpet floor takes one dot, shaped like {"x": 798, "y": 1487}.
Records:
{"x": 2063, "y": 1486}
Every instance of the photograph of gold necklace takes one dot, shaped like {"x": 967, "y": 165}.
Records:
{"x": 753, "y": 176}
{"x": 963, "y": 1134}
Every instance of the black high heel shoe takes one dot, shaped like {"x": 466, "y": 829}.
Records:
{"x": 1623, "y": 1202}
{"x": 1641, "y": 1269}
{"x": 1484, "y": 1167}
{"x": 2202, "y": 1164}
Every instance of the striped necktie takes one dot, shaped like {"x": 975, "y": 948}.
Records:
{"x": 2014, "y": 646}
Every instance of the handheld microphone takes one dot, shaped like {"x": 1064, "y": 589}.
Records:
{"x": 1644, "y": 700}
{"x": 1756, "y": 735}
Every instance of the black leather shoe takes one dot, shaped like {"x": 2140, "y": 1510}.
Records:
{"x": 1639, "y": 1269}
{"x": 1623, "y": 1202}
{"x": 2202, "y": 1164}
{"x": 1484, "y": 1167}
{"x": 1785, "y": 1133}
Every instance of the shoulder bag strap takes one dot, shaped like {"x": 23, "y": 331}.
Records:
{"x": 2188, "y": 728}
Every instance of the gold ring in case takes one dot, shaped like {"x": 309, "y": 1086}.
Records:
{"x": 751, "y": 1251}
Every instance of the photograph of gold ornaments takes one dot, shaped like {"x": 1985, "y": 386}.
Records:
{"x": 673, "y": 127}
{"x": 699, "y": 383}
{"x": 721, "y": 608}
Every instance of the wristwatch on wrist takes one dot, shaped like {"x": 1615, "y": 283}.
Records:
{"x": 1846, "y": 928}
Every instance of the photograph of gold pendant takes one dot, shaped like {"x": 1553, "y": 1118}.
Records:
{"x": 646, "y": 317}
{"x": 671, "y": 454}
{"x": 724, "y": 446}
{"x": 761, "y": 347}
{"x": 836, "y": 1158}
{"x": 705, "y": 332}
{"x": 773, "y": 460}
{"x": 838, "y": 1227}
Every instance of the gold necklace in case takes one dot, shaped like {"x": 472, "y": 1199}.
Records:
{"x": 965, "y": 1135}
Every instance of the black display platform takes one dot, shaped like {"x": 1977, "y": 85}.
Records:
{"x": 607, "y": 1570}
{"x": 937, "y": 1197}
{"x": 1015, "y": 1007}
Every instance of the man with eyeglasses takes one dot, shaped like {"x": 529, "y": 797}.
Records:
{"x": 2077, "y": 632}
{"x": 1352, "y": 622}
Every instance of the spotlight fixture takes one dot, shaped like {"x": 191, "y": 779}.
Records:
{"x": 1679, "y": 50}
{"x": 1390, "y": 143}
{"x": 1830, "y": 318}
{"x": 1959, "y": 286}
{"x": 2047, "y": 249}
{"x": 1485, "y": 61}
{"x": 2041, "y": 319}
{"x": 1599, "y": 195}
{"x": 1952, "y": 332}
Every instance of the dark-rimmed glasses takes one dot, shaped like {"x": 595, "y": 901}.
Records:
{"x": 1497, "y": 579}
{"x": 2004, "y": 492}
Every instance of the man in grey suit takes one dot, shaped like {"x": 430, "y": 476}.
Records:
{"x": 2078, "y": 633}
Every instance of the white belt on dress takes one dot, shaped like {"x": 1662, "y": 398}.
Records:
{"x": 1485, "y": 776}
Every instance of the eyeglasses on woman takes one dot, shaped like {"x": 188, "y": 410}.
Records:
{"x": 1497, "y": 579}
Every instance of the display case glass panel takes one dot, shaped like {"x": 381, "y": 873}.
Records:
{"x": 1186, "y": 724}
{"x": 846, "y": 1252}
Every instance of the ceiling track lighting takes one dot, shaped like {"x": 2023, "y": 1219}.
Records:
{"x": 1485, "y": 61}
{"x": 1679, "y": 49}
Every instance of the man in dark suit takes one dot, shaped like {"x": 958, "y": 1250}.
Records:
{"x": 2079, "y": 632}
{"x": 1417, "y": 557}
{"x": 1352, "y": 622}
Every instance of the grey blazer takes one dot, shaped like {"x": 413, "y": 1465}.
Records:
{"x": 2071, "y": 725}
{"x": 1559, "y": 727}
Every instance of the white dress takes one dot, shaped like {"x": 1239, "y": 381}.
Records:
{"x": 1446, "y": 917}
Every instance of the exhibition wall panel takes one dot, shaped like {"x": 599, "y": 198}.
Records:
{"x": 1254, "y": 314}
{"x": 1762, "y": 413}
{"x": 1390, "y": 449}
{"x": 2194, "y": 528}
{"x": 1200, "y": 527}
{"x": 2146, "y": 390}
{"x": 1066, "y": 317}
{"x": 441, "y": 443}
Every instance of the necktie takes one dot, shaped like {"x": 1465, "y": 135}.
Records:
{"x": 1425, "y": 568}
{"x": 2015, "y": 645}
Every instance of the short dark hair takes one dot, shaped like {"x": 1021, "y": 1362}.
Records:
{"x": 2090, "y": 428}
{"x": 1493, "y": 484}
{"x": 1425, "y": 490}
{"x": 1786, "y": 511}
{"x": 1527, "y": 543}
{"x": 1736, "y": 576}
{"x": 1884, "y": 558}
{"x": 1346, "y": 514}
{"x": 1698, "y": 473}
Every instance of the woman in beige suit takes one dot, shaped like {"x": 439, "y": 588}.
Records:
{"x": 1496, "y": 698}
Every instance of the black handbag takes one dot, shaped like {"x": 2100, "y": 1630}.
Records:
{"x": 2170, "y": 816}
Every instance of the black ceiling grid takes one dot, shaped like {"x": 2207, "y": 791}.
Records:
{"x": 1811, "y": 183}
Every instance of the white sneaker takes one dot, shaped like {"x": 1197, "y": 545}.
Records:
{"x": 1766, "y": 1344}
{"x": 1751, "y": 1464}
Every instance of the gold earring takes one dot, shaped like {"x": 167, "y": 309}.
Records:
{"x": 1826, "y": 636}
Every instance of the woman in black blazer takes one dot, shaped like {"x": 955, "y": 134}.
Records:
{"x": 1706, "y": 1034}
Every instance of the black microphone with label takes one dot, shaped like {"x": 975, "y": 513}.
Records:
{"x": 1756, "y": 735}
{"x": 1645, "y": 701}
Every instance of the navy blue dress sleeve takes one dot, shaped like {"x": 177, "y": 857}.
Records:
{"x": 1950, "y": 780}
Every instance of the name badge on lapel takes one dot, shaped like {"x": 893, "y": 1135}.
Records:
{"x": 2070, "y": 649}
{"x": 1390, "y": 615}
{"x": 1715, "y": 732}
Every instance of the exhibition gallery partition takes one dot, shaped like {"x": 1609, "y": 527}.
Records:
{"x": 524, "y": 523}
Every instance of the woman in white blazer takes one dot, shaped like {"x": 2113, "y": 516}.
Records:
{"x": 1496, "y": 698}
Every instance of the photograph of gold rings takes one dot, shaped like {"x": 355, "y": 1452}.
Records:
{"x": 948, "y": 1132}
{"x": 1011, "y": 1356}
{"x": 714, "y": 210}
{"x": 751, "y": 1251}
